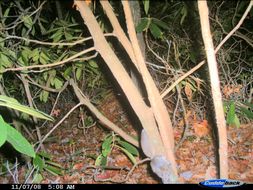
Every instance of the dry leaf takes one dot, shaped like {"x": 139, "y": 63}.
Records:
{"x": 201, "y": 129}
{"x": 78, "y": 166}
{"x": 188, "y": 91}
{"x": 231, "y": 89}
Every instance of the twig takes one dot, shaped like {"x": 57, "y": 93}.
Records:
{"x": 28, "y": 16}
{"x": 184, "y": 134}
{"x": 15, "y": 173}
{"x": 51, "y": 64}
{"x": 57, "y": 98}
{"x": 53, "y": 43}
{"x": 182, "y": 78}
{"x": 135, "y": 165}
{"x": 105, "y": 167}
{"x": 52, "y": 130}
{"x": 126, "y": 178}
{"x": 29, "y": 98}
{"x": 237, "y": 26}
{"x": 30, "y": 174}
{"x": 156, "y": 55}
{"x": 216, "y": 50}
{"x": 84, "y": 100}
{"x": 45, "y": 87}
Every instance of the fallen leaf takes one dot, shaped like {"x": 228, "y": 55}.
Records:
{"x": 188, "y": 91}
{"x": 201, "y": 129}
{"x": 78, "y": 166}
{"x": 106, "y": 174}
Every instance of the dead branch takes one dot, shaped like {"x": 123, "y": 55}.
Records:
{"x": 57, "y": 125}
{"x": 52, "y": 43}
{"x": 106, "y": 122}
{"x": 59, "y": 63}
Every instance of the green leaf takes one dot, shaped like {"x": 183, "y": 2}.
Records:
{"x": 130, "y": 148}
{"x": 67, "y": 73}
{"x": 53, "y": 164}
{"x": 25, "y": 56}
{"x": 93, "y": 63}
{"x": 247, "y": 112}
{"x": 44, "y": 155}
{"x": 12, "y": 54}
{"x": 106, "y": 146}
{"x": 79, "y": 73}
{"x": 38, "y": 162}
{"x": 101, "y": 160}
{"x": 143, "y": 25}
{"x": 248, "y": 104}
{"x": 19, "y": 142}
{"x": 37, "y": 178}
{"x": 146, "y": 6}
{"x": 129, "y": 155}
{"x": 44, "y": 59}
{"x": 3, "y": 131}
{"x": 6, "y": 13}
{"x": 53, "y": 170}
{"x": 68, "y": 36}
{"x": 33, "y": 31}
{"x": 44, "y": 96}
{"x": 42, "y": 29}
{"x": 7, "y": 99}
{"x": 14, "y": 104}
{"x": 35, "y": 55}
{"x": 5, "y": 61}
{"x": 193, "y": 57}
{"x": 58, "y": 83}
{"x": 236, "y": 121}
{"x": 57, "y": 35}
{"x": 155, "y": 30}
{"x": 231, "y": 113}
{"x": 184, "y": 13}
{"x": 27, "y": 21}
{"x": 160, "y": 23}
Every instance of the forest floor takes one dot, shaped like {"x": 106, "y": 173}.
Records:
{"x": 75, "y": 148}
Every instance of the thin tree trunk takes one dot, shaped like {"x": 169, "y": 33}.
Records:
{"x": 143, "y": 112}
{"x": 215, "y": 88}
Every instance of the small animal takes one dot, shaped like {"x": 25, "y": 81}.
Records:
{"x": 159, "y": 164}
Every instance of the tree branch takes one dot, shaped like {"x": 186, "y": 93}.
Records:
{"x": 106, "y": 122}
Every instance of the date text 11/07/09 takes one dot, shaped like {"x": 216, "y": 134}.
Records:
{"x": 42, "y": 186}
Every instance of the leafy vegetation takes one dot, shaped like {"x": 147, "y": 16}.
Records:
{"x": 42, "y": 161}
{"x": 111, "y": 142}
{"x": 10, "y": 134}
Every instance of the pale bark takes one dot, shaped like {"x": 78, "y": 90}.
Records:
{"x": 215, "y": 88}
{"x": 157, "y": 105}
{"x": 143, "y": 112}
{"x": 155, "y": 119}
